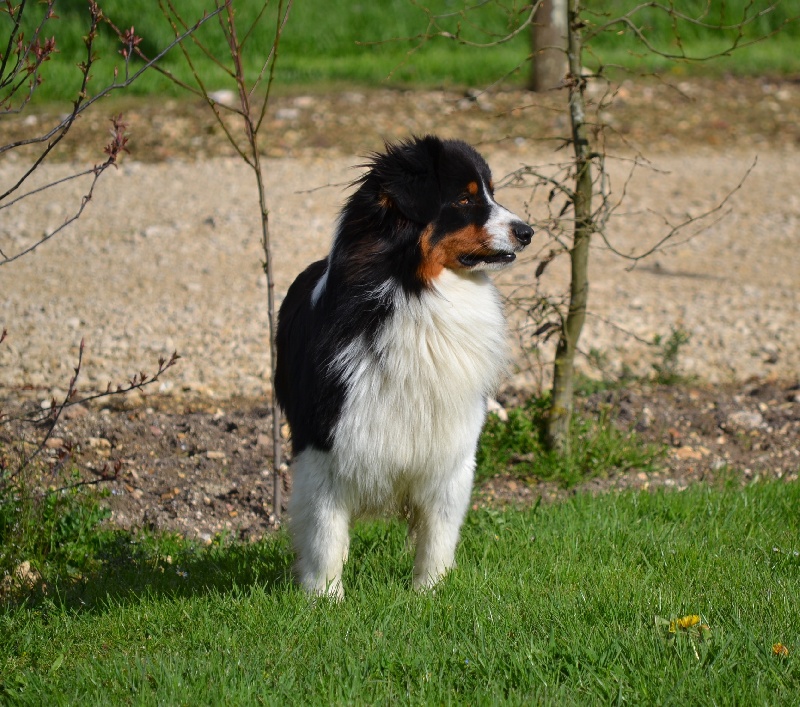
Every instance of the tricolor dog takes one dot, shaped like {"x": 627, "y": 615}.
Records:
{"x": 387, "y": 351}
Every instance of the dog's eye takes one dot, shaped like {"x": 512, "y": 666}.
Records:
{"x": 465, "y": 200}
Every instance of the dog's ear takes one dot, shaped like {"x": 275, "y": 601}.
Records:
{"x": 408, "y": 175}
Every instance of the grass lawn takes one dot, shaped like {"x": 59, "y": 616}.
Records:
{"x": 403, "y": 42}
{"x": 566, "y": 604}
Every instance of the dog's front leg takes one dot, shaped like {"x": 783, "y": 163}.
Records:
{"x": 319, "y": 524}
{"x": 439, "y": 511}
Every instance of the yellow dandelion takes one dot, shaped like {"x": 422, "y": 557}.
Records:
{"x": 684, "y": 622}
{"x": 780, "y": 650}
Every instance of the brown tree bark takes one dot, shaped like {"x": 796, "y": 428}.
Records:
{"x": 557, "y": 433}
{"x": 549, "y": 45}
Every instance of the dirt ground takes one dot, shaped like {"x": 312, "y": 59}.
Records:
{"x": 202, "y": 468}
{"x": 166, "y": 260}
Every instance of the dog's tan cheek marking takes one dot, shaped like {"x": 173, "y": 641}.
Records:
{"x": 429, "y": 265}
{"x": 470, "y": 240}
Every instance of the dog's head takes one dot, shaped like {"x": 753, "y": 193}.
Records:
{"x": 445, "y": 188}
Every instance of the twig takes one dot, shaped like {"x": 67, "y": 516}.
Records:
{"x": 54, "y": 136}
{"x": 113, "y": 149}
{"x": 674, "y": 230}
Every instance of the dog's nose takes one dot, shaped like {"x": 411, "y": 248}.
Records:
{"x": 522, "y": 232}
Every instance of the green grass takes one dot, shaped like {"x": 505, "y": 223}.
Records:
{"x": 599, "y": 447}
{"x": 377, "y": 43}
{"x": 55, "y": 529}
{"x": 556, "y": 605}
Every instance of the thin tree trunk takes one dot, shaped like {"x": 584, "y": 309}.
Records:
{"x": 251, "y": 130}
{"x": 549, "y": 44}
{"x": 277, "y": 476}
{"x": 562, "y": 398}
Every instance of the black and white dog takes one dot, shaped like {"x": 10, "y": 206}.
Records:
{"x": 387, "y": 350}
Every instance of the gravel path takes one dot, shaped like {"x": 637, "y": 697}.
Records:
{"x": 167, "y": 257}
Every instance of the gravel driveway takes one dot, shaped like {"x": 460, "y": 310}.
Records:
{"x": 167, "y": 257}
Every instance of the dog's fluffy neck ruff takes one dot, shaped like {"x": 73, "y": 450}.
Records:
{"x": 423, "y": 377}
{"x": 416, "y": 359}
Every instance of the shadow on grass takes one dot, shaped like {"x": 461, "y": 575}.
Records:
{"x": 127, "y": 568}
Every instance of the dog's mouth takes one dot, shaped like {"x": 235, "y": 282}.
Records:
{"x": 499, "y": 258}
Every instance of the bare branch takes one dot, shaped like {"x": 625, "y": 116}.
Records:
{"x": 25, "y": 67}
{"x": 527, "y": 22}
{"x": 138, "y": 381}
{"x": 457, "y": 36}
{"x": 434, "y": 30}
{"x": 85, "y": 199}
{"x": 56, "y": 134}
{"x": 627, "y": 20}
{"x": 63, "y": 128}
{"x": 174, "y": 18}
{"x": 113, "y": 150}
{"x": 683, "y": 225}
{"x": 53, "y": 414}
{"x": 272, "y": 58}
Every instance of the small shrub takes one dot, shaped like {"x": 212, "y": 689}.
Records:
{"x": 598, "y": 447}
{"x": 55, "y": 529}
{"x": 667, "y": 367}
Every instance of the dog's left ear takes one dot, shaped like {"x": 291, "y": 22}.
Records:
{"x": 409, "y": 177}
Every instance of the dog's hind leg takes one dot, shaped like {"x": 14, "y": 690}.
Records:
{"x": 319, "y": 524}
{"x": 438, "y": 514}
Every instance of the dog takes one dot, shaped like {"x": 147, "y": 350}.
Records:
{"x": 386, "y": 352}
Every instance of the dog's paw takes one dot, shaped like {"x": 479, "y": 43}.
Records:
{"x": 325, "y": 591}
{"x": 426, "y": 584}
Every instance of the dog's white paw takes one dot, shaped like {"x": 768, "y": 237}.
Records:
{"x": 331, "y": 590}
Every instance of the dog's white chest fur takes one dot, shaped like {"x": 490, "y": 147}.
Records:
{"x": 416, "y": 394}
